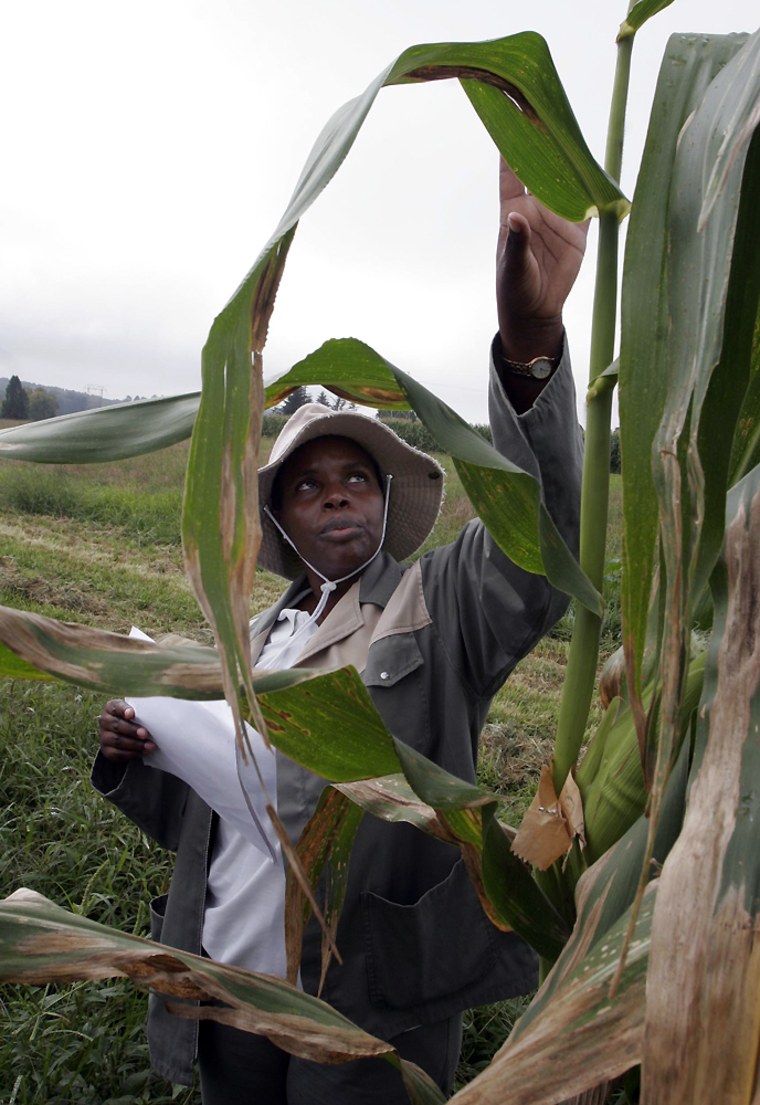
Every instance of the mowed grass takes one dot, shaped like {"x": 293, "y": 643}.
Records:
{"x": 101, "y": 545}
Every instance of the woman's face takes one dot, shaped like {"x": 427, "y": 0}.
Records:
{"x": 331, "y": 505}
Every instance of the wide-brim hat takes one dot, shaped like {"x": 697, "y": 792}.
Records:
{"x": 415, "y": 494}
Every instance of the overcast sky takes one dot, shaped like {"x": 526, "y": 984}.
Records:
{"x": 149, "y": 150}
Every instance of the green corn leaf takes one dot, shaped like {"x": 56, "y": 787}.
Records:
{"x": 660, "y": 358}
{"x": 704, "y": 401}
{"x": 514, "y": 86}
{"x": 533, "y": 158}
{"x": 40, "y": 942}
{"x": 35, "y": 647}
{"x": 349, "y": 368}
{"x": 716, "y": 180}
{"x": 221, "y": 532}
{"x": 105, "y": 434}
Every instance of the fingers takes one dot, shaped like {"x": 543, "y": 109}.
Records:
{"x": 514, "y": 234}
{"x": 518, "y": 236}
{"x": 121, "y": 738}
{"x": 515, "y": 267}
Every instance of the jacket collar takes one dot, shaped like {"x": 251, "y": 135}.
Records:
{"x": 380, "y": 579}
{"x": 377, "y": 583}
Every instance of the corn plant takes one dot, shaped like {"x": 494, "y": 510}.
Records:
{"x": 633, "y": 875}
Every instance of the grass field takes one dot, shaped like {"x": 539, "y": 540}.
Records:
{"x": 101, "y": 545}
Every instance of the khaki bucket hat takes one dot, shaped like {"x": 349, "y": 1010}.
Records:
{"x": 415, "y": 494}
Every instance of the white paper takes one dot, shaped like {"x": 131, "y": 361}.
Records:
{"x": 196, "y": 742}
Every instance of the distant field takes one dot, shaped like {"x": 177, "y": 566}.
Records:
{"x": 101, "y": 545}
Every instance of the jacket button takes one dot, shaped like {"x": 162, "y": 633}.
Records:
{"x": 384, "y": 675}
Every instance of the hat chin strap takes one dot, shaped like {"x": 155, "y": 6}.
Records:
{"x": 329, "y": 585}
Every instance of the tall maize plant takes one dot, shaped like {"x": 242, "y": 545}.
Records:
{"x": 635, "y": 874}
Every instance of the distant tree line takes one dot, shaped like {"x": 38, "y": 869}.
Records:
{"x": 405, "y": 423}
{"x": 48, "y": 402}
{"x": 299, "y": 396}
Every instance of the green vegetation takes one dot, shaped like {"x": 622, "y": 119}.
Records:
{"x": 64, "y": 1044}
{"x": 85, "y": 1042}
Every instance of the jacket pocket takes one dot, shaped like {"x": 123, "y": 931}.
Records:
{"x": 394, "y": 677}
{"x": 157, "y": 912}
{"x": 391, "y": 659}
{"x": 433, "y": 949}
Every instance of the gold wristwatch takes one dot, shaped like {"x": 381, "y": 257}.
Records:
{"x": 540, "y": 368}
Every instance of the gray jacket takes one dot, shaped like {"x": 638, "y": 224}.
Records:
{"x": 434, "y": 642}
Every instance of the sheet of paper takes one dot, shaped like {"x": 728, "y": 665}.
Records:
{"x": 196, "y": 742}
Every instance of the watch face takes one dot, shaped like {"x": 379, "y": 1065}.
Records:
{"x": 540, "y": 368}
